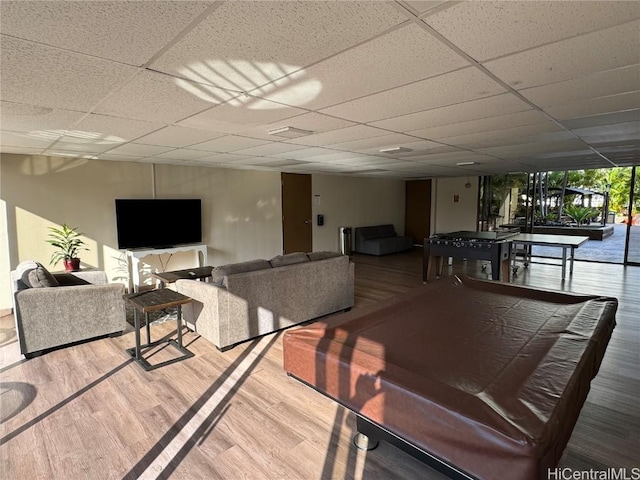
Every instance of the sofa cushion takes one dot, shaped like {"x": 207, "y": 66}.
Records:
{"x": 39, "y": 277}
{"x": 313, "y": 256}
{"x": 218, "y": 273}
{"x": 386, "y": 231}
{"x": 288, "y": 259}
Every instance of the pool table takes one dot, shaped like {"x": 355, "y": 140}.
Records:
{"x": 480, "y": 379}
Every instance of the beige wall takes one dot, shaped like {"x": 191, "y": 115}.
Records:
{"x": 5, "y": 291}
{"x": 241, "y": 210}
{"x": 449, "y": 215}
{"x": 354, "y": 202}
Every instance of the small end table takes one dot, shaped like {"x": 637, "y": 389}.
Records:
{"x": 146, "y": 303}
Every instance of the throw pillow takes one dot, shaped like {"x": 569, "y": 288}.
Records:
{"x": 313, "y": 256}
{"x": 218, "y": 273}
{"x": 39, "y": 277}
{"x": 288, "y": 259}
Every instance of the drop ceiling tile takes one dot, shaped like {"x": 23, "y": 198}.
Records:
{"x": 533, "y": 148}
{"x": 228, "y": 143}
{"x": 113, "y": 128}
{"x": 397, "y": 58}
{"x": 243, "y": 44}
{"x": 375, "y": 144}
{"x": 224, "y": 158}
{"x": 570, "y": 58}
{"x": 138, "y": 150}
{"x": 314, "y": 122}
{"x": 254, "y": 160}
{"x": 529, "y": 117}
{"x": 596, "y": 106}
{"x": 453, "y": 157}
{"x": 20, "y": 150}
{"x": 173, "y": 136}
{"x": 134, "y": 32}
{"x": 508, "y": 135}
{"x": 603, "y": 119}
{"x": 44, "y": 76}
{"x": 283, "y": 163}
{"x": 240, "y": 115}
{"x": 73, "y": 143}
{"x": 399, "y": 165}
{"x": 494, "y": 28}
{"x": 461, "y": 112}
{"x": 447, "y": 89}
{"x": 357, "y": 132}
{"x": 349, "y": 158}
{"x": 304, "y": 154}
{"x": 429, "y": 150}
{"x": 599, "y": 84}
{"x": 208, "y": 161}
{"x": 19, "y": 117}
{"x": 27, "y": 140}
{"x": 119, "y": 158}
{"x": 159, "y": 161}
{"x": 270, "y": 149}
{"x": 320, "y": 168}
{"x": 80, "y": 157}
{"x": 364, "y": 161}
{"x": 182, "y": 154}
{"x": 620, "y": 132}
{"x": 425, "y": 5}
{"x": 156, "y": 98}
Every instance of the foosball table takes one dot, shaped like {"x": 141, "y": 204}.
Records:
{"x": 493, "y": 247}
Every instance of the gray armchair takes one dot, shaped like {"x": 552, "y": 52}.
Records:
{"x": 82, "y": 306}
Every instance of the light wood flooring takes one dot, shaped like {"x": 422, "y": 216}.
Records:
{"x": 89, "y": 412}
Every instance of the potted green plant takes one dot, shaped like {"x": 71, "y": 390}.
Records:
{"x": 68, "y": 243}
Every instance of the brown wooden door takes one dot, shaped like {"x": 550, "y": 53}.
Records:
{"x": 296, "y": 213}
{"x": 417, "y": 219}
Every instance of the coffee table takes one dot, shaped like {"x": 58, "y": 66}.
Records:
{"x": 187, "y": 274}
{"x": 151, "y": 301}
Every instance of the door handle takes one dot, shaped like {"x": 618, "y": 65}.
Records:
{"x": 307, "y": 221}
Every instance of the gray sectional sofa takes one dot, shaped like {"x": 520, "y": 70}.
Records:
{"x": 380, "y": 240}
{"x": 249, "y": 299}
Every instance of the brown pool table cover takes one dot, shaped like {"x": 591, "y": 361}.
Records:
{"x": 488, "y": 376}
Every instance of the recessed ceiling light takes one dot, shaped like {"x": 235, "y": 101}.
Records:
{"x": 289, "y": 132}
{"x": 462, "y": 164}
{"x": 395, "y": 150}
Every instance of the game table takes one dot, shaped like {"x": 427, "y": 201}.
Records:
{"x": 480, "y": 379}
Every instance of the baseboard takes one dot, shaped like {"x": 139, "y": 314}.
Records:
{"x": 4, "y": 312}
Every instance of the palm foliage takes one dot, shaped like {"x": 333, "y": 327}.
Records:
{"x": 67, "y": 241}
{"x": 579, "y": 213}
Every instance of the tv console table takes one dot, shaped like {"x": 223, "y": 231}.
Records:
{"x": 135, "y": 255}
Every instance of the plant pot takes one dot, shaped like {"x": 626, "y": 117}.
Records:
{"x": 71, "y": 264}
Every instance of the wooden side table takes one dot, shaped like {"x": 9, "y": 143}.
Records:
{"x": 146, "y": 303}
{"x": 199, "y": 273}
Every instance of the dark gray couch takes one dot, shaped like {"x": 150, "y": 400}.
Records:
{"x": 380, "y": 240}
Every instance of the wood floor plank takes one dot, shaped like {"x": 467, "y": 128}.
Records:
{"x": 93, "y": 413}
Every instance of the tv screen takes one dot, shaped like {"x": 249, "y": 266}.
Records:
{"x": 158, "y": 223}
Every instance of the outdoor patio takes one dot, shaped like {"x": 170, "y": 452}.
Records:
{"x": 610, "y": 250}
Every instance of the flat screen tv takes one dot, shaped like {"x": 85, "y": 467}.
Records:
{"x": 158, "y": 223}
